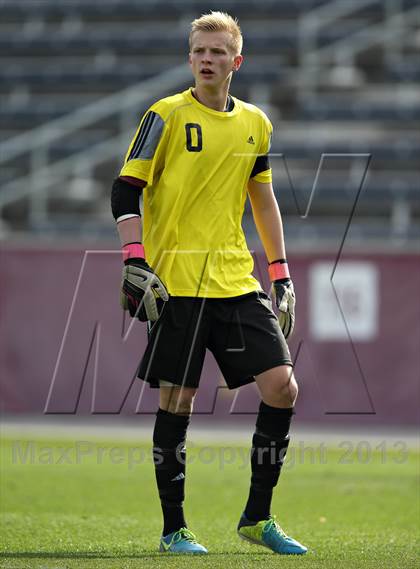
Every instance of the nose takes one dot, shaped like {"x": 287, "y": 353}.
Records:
{"x": 206, "y": 57}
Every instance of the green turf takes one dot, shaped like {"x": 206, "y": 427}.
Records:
{"x": 100, "y": 512}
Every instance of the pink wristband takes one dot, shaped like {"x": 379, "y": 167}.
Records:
{"x": 133, "y": 250}
{"x": 278, "y": 270}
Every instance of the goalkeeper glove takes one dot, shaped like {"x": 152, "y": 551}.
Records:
{"x": 140, "y": 287}
{"x": 285, "y": 295}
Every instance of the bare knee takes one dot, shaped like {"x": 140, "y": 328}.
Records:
{"x": 284, "y": 392}
{"x": 178, "y": 400}
{"x": 278, "y": 387}
{"x": 293, "y": 390}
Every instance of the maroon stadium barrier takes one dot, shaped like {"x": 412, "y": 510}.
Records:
{"x": 66, "y": 349}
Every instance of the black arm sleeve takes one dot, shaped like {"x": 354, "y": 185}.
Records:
{"x": 125, "y": 198}
{"x": 262, "y": 164}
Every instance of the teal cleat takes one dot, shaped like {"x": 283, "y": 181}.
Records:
{"x": 181, "y": 541}
{"x": 269, "y": 534}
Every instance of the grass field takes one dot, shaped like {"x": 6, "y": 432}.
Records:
{"x": 68, "y": 504}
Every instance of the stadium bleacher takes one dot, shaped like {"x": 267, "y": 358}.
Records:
{"x": 56, "y": 57}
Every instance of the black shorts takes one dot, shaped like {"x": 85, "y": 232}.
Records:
{"x": 242, "y": 333}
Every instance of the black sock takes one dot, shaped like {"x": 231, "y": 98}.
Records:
{"x": 169, "y": 457}
{"x": 269, "y": 447}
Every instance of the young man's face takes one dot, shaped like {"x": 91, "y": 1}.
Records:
{"x": 212, "y": 59}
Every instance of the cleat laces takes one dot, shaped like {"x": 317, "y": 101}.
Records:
{"x": 272, "y": 523}
{"x": 185, "y": 533}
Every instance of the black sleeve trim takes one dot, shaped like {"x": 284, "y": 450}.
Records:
{"x": 262, "y": 164}
{"x": 125, "y": 198}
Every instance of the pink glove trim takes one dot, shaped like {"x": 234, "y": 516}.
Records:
{"x": 133, "y": 250}
{"x": 278, "y": 270}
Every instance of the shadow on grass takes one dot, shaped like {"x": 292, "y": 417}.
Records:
{"x": 98, "y": 555}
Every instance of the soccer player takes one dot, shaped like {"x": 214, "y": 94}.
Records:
{"x": 196, "y": 157}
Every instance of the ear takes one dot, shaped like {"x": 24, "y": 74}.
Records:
{"x": 237, "y": 62}
{"x": 189, "y": 58}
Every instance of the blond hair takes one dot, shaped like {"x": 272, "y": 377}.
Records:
{"x": 219, "y": 22}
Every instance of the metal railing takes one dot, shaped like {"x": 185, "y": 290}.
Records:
{"x": 43, "y": 173}
{"x": 314, "y": 59}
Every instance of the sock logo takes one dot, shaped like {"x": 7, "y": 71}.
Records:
{"x": 180, "y": 476}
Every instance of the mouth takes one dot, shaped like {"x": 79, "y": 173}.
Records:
{"x": 206, "y": 71}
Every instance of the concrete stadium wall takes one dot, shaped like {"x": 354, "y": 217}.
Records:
{"x": 67, "y": 349}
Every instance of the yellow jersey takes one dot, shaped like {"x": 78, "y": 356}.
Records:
{"x": 197, "y": 163}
